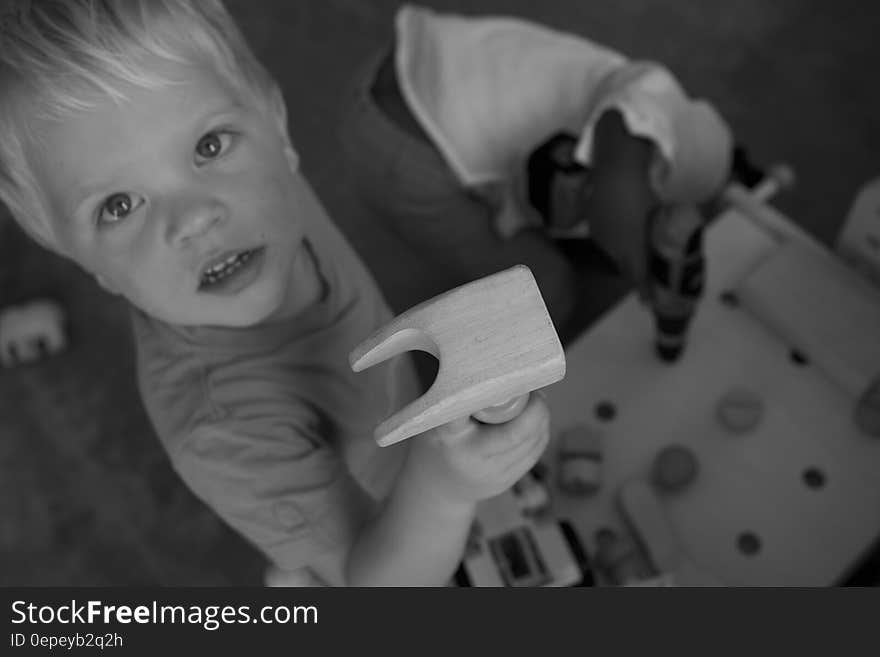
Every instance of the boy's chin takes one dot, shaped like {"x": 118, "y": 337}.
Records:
{"x": 244, "y": 315}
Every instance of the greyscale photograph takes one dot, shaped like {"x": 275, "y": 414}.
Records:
{"x": 455, "y": 293}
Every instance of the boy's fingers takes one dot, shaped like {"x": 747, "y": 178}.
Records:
{"x": 525, "y": 455}
{"x": 496, "y": 438}
{"x": 499, "y": 439}
{"x": 455, "y": 431}
{"x": 514, "y": 466}
{"x": 538, "y": 449}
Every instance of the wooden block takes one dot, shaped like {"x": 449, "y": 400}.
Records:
{"x": 816, "y": 304}
{"x": 494, "y": 340}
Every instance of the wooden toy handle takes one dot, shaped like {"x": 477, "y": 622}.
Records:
{"x": 503, "y": 412}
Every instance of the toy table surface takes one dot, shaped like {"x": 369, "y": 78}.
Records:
{"x": 750, "y": 483}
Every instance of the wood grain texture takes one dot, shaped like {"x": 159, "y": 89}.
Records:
{"x": 816, "y": 304}
{"x": 493, "y": 338}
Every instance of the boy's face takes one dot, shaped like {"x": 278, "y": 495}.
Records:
{"x": 184, "y": 200}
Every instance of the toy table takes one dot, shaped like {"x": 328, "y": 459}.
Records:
{"x": 811, "y": 528}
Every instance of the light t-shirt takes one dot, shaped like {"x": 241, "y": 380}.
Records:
{"x": 269, "y": 425}
{"x": 489, "y": 90}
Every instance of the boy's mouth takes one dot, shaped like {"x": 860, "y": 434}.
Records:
{"x": 230, "y": 272}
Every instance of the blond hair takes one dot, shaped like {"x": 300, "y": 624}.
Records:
{"x": 61, "y": 56}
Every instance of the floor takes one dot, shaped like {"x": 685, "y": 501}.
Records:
{"x": 86, "y": 495}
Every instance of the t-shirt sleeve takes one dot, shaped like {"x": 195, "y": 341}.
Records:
{"x": 278, "y": 484}
{"x": 693, "y": 143}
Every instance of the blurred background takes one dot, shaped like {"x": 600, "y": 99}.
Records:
{"x": 87, "y": 496}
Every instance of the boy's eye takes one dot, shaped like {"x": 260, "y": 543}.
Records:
{"x": 118, "y": 207}
{"x": 213, "y": 145}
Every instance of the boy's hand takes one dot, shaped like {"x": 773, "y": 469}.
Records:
{"x": 466, "y": 461}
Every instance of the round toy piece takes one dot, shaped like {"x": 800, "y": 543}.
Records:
{"x": 580, "y": 461}
{"x": 740, "y": 410}
{"x": 503, "y": 412}
{"x": 674, "y": 468}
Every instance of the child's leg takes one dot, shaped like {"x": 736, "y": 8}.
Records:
{"x": 453, "y": 231}
{"x": 408, "y": 185}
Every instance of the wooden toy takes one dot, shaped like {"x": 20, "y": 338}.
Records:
{"x": 579, "y": 459}
{"x": 495, "y": 343}
{"x": 784, "y": 294}
{"x": 803, "y": 483}
{"x": 644, "y": 514}
{"x": 31, "y": 331}
{"x": 789, "y": 292}
{"x": 674, "y": 468}
{"x": 739, "y": 410}
{"x": 753, "y": 201}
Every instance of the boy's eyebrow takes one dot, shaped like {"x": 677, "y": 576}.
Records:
{"x": 82, "y": 193}
{"x": 231, "y": 107}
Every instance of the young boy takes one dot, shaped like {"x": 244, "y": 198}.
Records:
{"x": 443, "y": 127}
{"x": 143, "y": 140}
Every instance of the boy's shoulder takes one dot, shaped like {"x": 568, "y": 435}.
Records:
{"x": 173, "y": 380}
{"x": 227, "y": 416}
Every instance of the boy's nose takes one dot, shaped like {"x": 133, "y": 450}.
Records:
{"x": 192, "y": 220}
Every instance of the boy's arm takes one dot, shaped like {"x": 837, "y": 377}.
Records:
{"x": 621, "y": 199}
{"x": 416, "y": 539}
{"x": 418, "y": 536}
{"x": 287, "y": 492}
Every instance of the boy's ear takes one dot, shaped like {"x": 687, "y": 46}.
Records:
{"x": 292, "y": 157}
{"x": 279, "y": 108}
